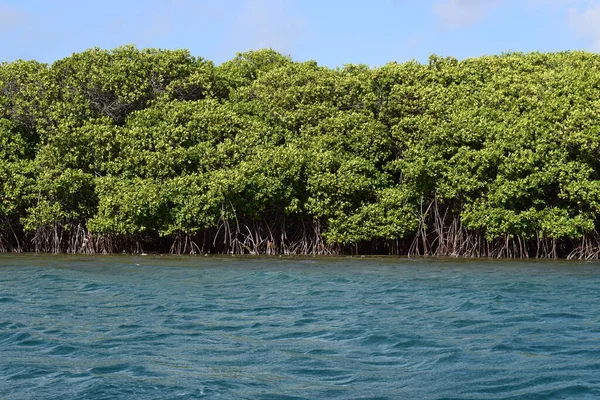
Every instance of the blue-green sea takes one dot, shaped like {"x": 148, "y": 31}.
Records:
{"x": 135, "y": 327}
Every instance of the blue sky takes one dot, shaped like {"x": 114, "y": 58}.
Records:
{"x": 332, "y": 32}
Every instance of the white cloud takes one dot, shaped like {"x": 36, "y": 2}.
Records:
{"x": 460, "y": 13}
{"x": 587, "y": 23}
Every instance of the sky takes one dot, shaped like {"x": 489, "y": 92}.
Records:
{"x": 332, "y": 32}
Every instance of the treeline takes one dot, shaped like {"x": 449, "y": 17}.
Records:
{"x": 154, "y": 150}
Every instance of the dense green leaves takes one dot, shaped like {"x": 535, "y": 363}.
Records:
{"x": 494, "y": 156}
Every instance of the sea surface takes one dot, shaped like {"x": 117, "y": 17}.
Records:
{"x": 134, "y": 327}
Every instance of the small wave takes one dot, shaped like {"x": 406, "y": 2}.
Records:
{"x": 109, "y": 369}
{"x": 467, "y": 323}
{"x": 130, "y": 326}
{"x": 305, "y": 321}
{"x": 322, "y": 352}
{"x": 324, "y": 374}
{"x": 569, "y": 392}
{"x": 299, "y": 335}
{"x": 561, "y": 315}
{"x": 14, "y": 338}
{"x": 33, "y": 343}
{"x": 279, "y": 396}
{"x": 12, "y": 325}
{"x": 540, "y": 387}
{"x": 223, "y": 328}
{"x": 62, "y": 350}
{"x": 418, "y": 342}
{"x": 9, "y": 300}
{"x": 94, "y": 288}
{"x": 376, "y": 340}
{"x": 30, "y": 373}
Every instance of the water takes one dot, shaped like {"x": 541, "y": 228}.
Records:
{"x": 256, "y": 328}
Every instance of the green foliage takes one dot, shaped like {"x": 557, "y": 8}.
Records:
{"x": 128, "y": 206}
{"x": 265, "y": 151}
{"x": 246, "y": 67}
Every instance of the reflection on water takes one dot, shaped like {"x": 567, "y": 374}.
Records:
{"x": 291, "y": 328}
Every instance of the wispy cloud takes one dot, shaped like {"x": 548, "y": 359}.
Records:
{"x": 461, "y": 13}
{"x": 586, "y": 22}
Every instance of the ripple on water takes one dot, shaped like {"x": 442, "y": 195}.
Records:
{"x": 8, "y": 300}
{"x": 234, "y": 328}
{"x": 14, "y": 338}
{"x": 62, "y": 350}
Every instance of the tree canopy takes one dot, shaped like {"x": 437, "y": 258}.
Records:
{"x": 157, "y": 150}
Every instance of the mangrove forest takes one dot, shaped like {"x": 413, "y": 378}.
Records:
{"x": 147, "y": 150}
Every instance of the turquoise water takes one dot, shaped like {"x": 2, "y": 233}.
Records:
{"x": 256, "y": 328}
